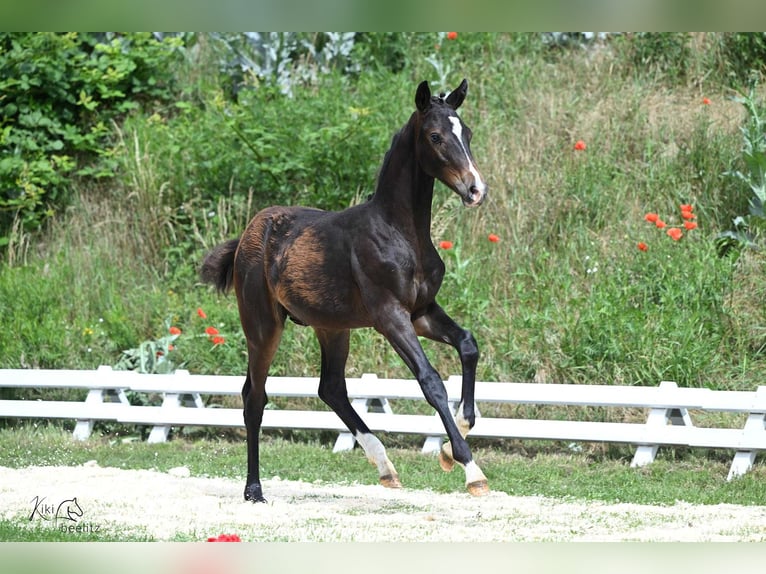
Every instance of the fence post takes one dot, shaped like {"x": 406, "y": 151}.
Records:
{"x": 159, "y": 433}
{"x": 754, "y": 427}
{"x": 84, "y": 427}
{"x": 646, "y": 453}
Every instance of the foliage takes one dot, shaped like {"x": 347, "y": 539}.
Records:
{"x": 667, "y": 53}
{"x": 743, "y": 56}
{"x": 748, "y": 229}
{"x": 59, "y": 94}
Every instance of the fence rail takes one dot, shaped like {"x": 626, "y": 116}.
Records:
{"x": 668, "y": 422}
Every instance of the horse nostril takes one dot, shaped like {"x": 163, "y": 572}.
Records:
{"x": 476, "y": 194}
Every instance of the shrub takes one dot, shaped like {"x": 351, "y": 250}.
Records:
{"x": 658, "y": 53}
{"x": 742, "y": 56}
{"x": 59, "y": 93}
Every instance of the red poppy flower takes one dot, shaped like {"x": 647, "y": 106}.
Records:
{"x": 579, "y": 145}
{"x": 211, "y": 331}
{"x": 643, "y": 246}
{"x": 661, "y": 224}
{"x": 686, "y": 207}
{"x": 706, "y": 101}
{"x": 690, "y": 225}
{"x": 451, "y": 35}
{"x": 493, "y": 238}
{"x": 201, "y": 313}
{"x": 175, "y": 331}
{"x": 218, "y": 340}
{"x": 445, "y": 244}
{"x": 687, "y": 215}
{"x": 675, "y": 233}
{"x": 224, "y": 538}
{"x": 652, "y": 217}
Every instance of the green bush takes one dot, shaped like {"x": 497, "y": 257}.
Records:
{"x": 658, "y": 53}
{"x": 742, "y": 56}
{"x": 58, "y": 94}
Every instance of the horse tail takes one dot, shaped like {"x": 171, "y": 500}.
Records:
{"x": 218, "y": 266}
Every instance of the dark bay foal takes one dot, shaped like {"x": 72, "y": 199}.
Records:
{"x": 372, "y": 265}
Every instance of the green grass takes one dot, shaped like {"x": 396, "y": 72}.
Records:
{"x": 11, "y": 531}
{"x": 543, "y": 469}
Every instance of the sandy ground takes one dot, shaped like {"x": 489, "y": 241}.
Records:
{"x": 164, "y": 505}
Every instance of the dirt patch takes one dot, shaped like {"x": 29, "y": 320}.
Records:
{"x": 165, "y": 505}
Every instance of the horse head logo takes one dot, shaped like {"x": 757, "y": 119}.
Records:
{"x": 69, "y": 510}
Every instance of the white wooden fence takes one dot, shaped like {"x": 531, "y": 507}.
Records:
{"x": 667, "y": 422}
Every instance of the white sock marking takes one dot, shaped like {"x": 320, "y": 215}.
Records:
{"x": 375, "y": 452}
{"x": 473, "y": 473}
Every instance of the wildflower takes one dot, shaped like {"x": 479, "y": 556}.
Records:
{"x": 218, "y": 340}
{"x": 175, "y": 331}
{"x": 451, "y": 35}
{"x": 675, "y": 233}
{"x": 706, "y": 101}
{"x": 211, "y": 331}
{"x": 690, "y": 225}
{"x": 579, "y": 145}
{"x": 201, "y": 313}
{"x": 686, "y": 207}
{"x": 688, "y": 215}
{"x": 224, "y": 538}
{"x": 643, "y": 246}
{"x": 87, "y": 332}
{"x": 661, "y": 224}
{"x": 171, "y": 347}
{"x": 652, "y": 217}
{"x": 445, "y": 244}
{"x": 493, "y": 238}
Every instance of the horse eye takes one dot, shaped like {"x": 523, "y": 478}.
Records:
{"x": 436, "y": 138}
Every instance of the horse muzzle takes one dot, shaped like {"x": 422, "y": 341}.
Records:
{"x": 474, "y": 195}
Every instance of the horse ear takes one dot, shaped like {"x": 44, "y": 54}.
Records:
{"x": 423, "y": 96}
{"x": 457, "y": 96}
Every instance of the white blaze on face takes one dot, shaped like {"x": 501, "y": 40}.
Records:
{"x": 457, "y": 129}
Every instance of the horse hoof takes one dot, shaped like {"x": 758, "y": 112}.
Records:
{"x": 253, "y": 493}
{"x": 478, "y": 488}
{"x": 446, "y": 461}
{"x": 390, "y": 481}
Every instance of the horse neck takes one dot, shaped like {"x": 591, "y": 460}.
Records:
{"x": 404, "y": 191}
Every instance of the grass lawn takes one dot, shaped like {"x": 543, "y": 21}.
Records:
{"x": 532, "y": 469}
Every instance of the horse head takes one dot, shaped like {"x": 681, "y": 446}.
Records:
{"x": 443, "y": 145}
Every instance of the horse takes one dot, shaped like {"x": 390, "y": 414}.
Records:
{"x": 371, "y": 265}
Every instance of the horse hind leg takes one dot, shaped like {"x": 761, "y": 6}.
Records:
{"x": 261, "y": 352}
{"x": 333, "y": 391}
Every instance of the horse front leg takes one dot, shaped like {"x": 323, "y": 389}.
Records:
{"x": 436, "y": 325}
{"x": 404, "y": 338}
